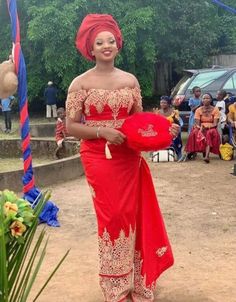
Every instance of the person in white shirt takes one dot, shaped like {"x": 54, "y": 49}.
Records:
{"x": 220, "y": 104}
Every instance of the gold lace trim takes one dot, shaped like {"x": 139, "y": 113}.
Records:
{"x": 114, "y": 99}
{"x": 142, "y": 293}
{"x": 82, "y": 100}
{"x": 116, "y": 288}
{"x": 74, "y": 102}
{"x": 106, "y": 123}
{"x": 116, "y": 258}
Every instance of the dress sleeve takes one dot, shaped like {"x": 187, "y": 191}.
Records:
{"x": 176, "y": 114}
{"x": 197, "y": 115}
{"x": 216, "y": 113}
{"x": 137, "y": 106}
{"x": 75, "y": 102}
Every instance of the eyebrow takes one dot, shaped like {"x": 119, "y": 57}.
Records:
{"x": 101, "y": 39}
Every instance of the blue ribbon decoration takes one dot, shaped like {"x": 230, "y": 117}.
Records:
{"x": 224, "y": 6}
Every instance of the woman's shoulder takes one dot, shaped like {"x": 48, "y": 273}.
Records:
{"x": 78, "y": 83}
{"x": 232, "y": 108}
{"x": 130, "y": 79}
{"x": 199, "y": 109}
{"x": 175, "y": 111}
{"x": 215, "y": 109}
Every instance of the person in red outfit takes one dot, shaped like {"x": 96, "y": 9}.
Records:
{"x": 204, "y": 136}
{"x": 133, "y": 244}
{"x": 60, "y": 132}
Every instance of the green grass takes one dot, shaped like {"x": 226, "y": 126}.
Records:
{"x": 16, "y": 125}
{"x": 11, "y": 164}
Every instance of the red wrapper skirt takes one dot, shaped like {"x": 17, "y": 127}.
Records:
{"x": 198, "y": 140}
{"x": 133, "y": 244}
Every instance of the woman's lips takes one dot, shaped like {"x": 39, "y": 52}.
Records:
{"x": 107, "y": 52}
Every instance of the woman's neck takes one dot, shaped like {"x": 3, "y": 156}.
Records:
{"x": 166, "y": 109}
{"x": 104, "y": 67}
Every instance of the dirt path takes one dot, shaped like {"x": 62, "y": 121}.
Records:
{"x": 198, "y": 203}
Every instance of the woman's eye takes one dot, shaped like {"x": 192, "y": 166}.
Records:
{"x": 112, "y": 41}
{"x": 98, "y": 43}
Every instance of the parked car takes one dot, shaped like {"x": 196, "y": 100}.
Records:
{"x": 209, "y": 80}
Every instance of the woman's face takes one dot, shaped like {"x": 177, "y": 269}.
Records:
{"x": 206, "y": 100}
{"x": 105, "y": 47}
{"x": 164, "y": 104}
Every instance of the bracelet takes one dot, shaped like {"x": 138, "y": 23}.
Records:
{"x": 98, "y": 129}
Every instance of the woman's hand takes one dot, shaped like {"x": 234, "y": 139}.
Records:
{"x": 174, "y": 130}
{"x": 113, "y": 136}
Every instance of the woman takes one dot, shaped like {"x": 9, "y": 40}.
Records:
{"x": 204, "y": 136}
{"x": 173, "y": 116}
{"x": 231, "y": 118}
{"x": 133, "y": 245}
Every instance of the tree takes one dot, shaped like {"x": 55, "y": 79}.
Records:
{"x": 184, "y": 33}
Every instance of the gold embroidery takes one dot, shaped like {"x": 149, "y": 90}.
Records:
{"x": 114, "y": 99}
{"x": 148, "y": 132}
{"x": 117, "y": 99}
{"x": 105, "y": 123}
{"x": 141, "y": 293}
{"x": 74, "y": 102}
{"x": 116, "y": 258}
{"x": 161, "y": 251}
{"x": 116, "y": 288}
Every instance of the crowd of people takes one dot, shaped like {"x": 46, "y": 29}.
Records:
{"x": 211, "y": 127}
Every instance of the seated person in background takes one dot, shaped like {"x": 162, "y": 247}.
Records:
{"x": 61, "y": 133}
{"x": 229, "y": 100}
{"x": 173, "y": 116}
{"x": 231, "y": 118}
{"x": 204, "y": 136}
{"x": 226, "y": 149}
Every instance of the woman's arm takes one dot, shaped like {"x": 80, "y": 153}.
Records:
{"x": 197, "y": 123}
{"x": 197, "y": 118}
{"x": 137, "y": 106}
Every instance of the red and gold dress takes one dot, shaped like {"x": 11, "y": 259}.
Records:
{"x": 133, "y": 245}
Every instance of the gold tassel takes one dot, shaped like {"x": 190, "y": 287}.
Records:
{"x": 107, "y": 151}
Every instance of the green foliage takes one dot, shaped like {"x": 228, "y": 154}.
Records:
{"x": 184, "y": 33}
{"x": 21, "y": 256}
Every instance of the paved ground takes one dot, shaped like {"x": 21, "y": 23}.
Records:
{"x": 198, "y": 203}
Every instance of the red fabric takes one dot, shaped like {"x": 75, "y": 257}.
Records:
{"x": 60, "y": 130}
{"x": 151, "y": 232}
{"x": 124, "y": 197}
{"x": 91, "y": 25}
{"x": 147, "y": 131}
{"x": 198, "y": 140}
